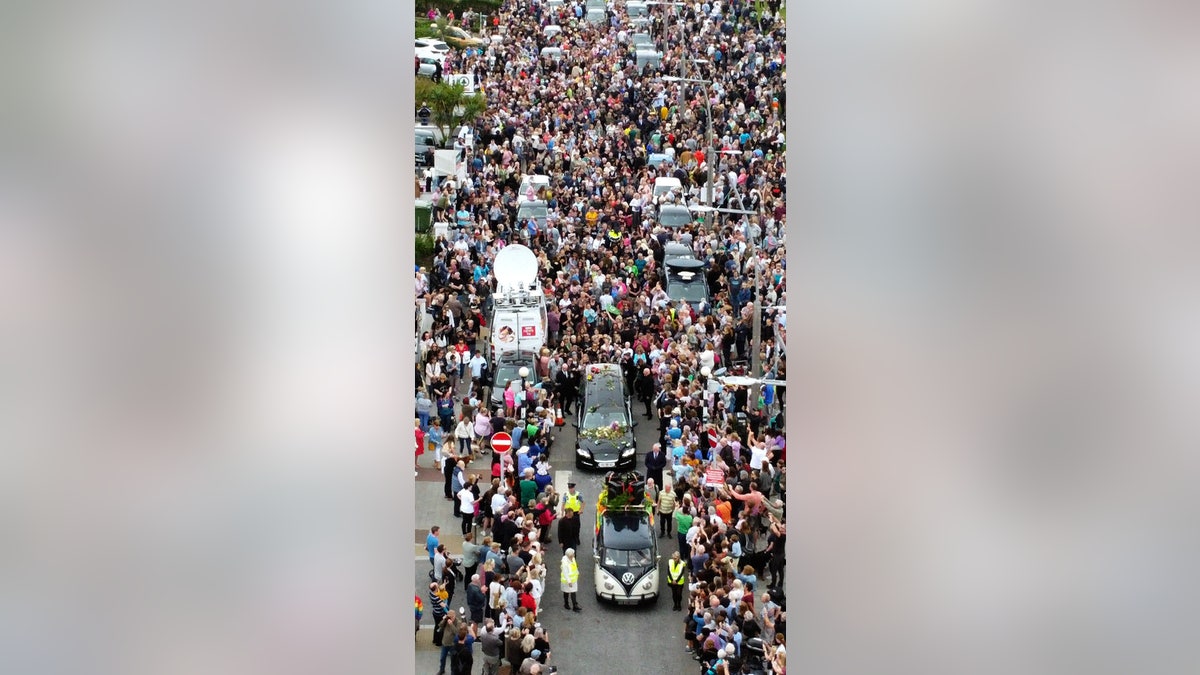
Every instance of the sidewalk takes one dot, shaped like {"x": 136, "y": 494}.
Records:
{"x": 432, "y": 507}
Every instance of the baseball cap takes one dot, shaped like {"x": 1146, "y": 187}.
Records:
{"x": 537, "y": 653}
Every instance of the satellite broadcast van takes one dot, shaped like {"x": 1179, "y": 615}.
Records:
{"x": 518, "y": 320}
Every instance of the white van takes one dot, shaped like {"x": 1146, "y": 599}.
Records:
{"x": 518, "y": 320}
{"x": 647, "y": 56}
{"x": 665, "y": 184}
{"x": 536, "y": 181}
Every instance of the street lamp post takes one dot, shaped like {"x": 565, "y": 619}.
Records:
{"x": 524, "y": 373}
{"x": 709, "y": 154}
{"x": 756, "y": 339}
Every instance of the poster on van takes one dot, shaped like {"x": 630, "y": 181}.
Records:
{"x": 518, "y": 330}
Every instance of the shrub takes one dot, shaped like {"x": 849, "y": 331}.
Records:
{"x": 424, "y": 249}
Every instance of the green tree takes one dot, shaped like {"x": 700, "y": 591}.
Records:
{"x": 449, "y": 104}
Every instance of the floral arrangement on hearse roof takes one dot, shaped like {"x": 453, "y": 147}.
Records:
{"x": 612, "y": 378}
{"x": 612, "y": 433}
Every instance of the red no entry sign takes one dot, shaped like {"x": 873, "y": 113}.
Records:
{"x": 501, "y": 441}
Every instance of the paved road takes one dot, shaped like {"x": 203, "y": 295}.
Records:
{"x": 603, "y": 638}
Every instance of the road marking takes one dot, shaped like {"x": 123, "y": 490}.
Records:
{"x": 561, "y": 478}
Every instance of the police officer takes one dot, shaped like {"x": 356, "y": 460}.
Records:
{"x": 676, "y": 580}
{"x": 572, "y": 500}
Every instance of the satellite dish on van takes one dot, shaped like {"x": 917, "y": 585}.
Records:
{"x": 516, "y": 265}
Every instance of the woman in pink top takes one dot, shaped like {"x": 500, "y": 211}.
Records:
{"x": 483, "y": 424}
{"x": 510, "y": 398}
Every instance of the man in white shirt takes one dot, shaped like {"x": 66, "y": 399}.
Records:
{"x": 758, "y": 455}
{"x": 466, "y": 506}
{"x": 477, "y": 363}
{"x": 693, "y": 531}
{"x": 499, "y": 502}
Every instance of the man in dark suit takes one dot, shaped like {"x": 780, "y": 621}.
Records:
{"x": 656, "y": 461}
{"x": 562, "y": 384}
{"x": 568, "y": 529}
{"x": 646, "y": 390}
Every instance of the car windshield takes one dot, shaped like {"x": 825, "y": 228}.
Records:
{"x": 693, "y": 292}
{"x": 675, "y": 217}
{"x": 618, "y": 558}
{"x": 594, "y": 419}
{"x": 510, "y": 370}
{"x": 538, "y": 212}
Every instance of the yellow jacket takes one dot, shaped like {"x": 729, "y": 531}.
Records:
{"x": 570, "y": 571}
{"x": 676, "y": 575}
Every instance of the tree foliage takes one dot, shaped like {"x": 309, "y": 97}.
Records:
{"x": 449, "y": 104}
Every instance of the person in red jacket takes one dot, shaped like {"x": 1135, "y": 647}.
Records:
{"x": 420, "y": 443}
{"x": 525, "y": 599}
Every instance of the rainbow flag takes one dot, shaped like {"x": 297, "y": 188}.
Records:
{"x": 418, "y": 606}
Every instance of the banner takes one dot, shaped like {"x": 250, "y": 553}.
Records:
{"x": 714, "y": 476}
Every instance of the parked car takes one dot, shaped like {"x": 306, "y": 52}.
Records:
{"x": 461, "y": 39}
{"x": 432, "y": 45}
{"x": 429, "y": 65}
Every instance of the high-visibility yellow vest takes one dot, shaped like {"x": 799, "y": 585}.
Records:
{"x": 572, "y": 502}
{"x": 570, "y": 571}
{"x": 676, "y": 575}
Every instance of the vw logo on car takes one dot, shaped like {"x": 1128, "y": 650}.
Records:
{"x": 627, "y": 578}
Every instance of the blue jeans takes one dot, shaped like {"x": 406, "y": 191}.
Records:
{"x": 445, "y": 652}
{"x": 424, "y": 417}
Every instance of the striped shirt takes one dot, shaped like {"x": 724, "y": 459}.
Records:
{"x": 666, "y": 501}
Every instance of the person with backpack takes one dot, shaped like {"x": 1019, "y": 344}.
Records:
{"x": 463, "y": 652}
{"x": 444, "y": 635}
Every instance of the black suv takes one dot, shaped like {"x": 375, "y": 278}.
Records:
{"x": 604, "y": 423}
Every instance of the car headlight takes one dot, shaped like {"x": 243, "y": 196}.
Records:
{"x": 582, "y": 453}
{"x": 646, "y": 585}
{"x": 628, "y": 451}
{"x": 608, "y": 586}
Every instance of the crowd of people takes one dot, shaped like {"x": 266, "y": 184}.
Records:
{"x": 602, "y": 129}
